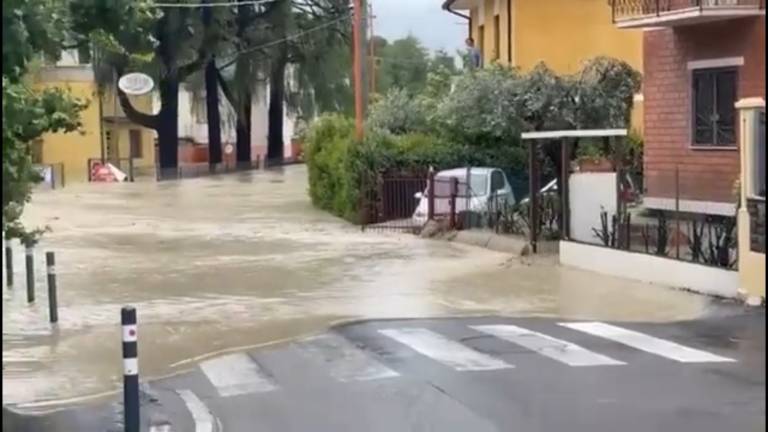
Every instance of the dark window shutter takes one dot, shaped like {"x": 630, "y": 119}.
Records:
{"x": 703, "y": 107}
{"x": 726, "y": 112}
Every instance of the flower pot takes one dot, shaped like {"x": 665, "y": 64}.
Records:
{"x": 595, "y": 165}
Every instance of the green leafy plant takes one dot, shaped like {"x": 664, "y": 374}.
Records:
{"x": 590, "y": 151}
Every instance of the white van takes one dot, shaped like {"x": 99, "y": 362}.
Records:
{"x": 486, "y": 186}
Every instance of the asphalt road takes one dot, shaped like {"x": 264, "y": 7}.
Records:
{"x": 472, "y": 374}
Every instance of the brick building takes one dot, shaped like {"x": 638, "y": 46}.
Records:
{"x": 700, "y": 58}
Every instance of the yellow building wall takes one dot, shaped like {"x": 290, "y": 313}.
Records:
{"x": 485, "y": 39}
{"x": 561, "y": 33}
{"x": 564, "y": 33}
{"x": 73, "y": 149}
{"x": 121, "y": 131}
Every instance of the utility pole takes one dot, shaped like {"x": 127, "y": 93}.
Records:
{"x": 372, "y": 48}
{"x": 357, "y": 64}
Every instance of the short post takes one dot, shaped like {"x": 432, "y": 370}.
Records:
{"x": 454, "y": 194}
{"x": 30, "y": 265}
{"x": 9, "y": 266}
{"x": 53, "y": 306}
{"x": 130, "y": 369}
{"x": 431, "y": 196}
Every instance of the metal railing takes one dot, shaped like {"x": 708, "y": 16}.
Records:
{"x": 52, "y": 175}
{"x": 628, "y": 9}
{"x": 673, "y": 226}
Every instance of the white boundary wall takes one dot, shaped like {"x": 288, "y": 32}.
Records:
{"x": 590, "y": 193}
{"x": 649, "y": 268}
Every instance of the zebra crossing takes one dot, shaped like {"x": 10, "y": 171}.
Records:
{"x": 240, "y": 374}
{"x": 348, "y": 360}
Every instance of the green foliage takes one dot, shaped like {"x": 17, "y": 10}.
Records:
{"x": 483, "y": 106}
{"x": 635, "y": 145}
{"x": 474, "y": 119}
{"x": 398, "y": 112}
{"x": 405, "y": 65}
{"x": 30, "y": 28}
{"x": 328, "y": 145}
{"x": 590, "y": 150}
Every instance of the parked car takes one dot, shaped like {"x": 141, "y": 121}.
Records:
{"x": 487, "y": 187}
{"x": 629, "y": 193}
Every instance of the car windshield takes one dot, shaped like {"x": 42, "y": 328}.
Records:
{"x": 478, "y": 185}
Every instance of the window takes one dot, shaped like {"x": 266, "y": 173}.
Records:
{"x": 497, "y": 181}
{"x": 37, "y": 151}
{"x": 136, "y": 147}
{"x": 481, "y": 40}
{"x": 496, "y": 38}
{"x": 714, "y": 114}
{"x": 199, "y": 108}
{"x": 758, "y": 157}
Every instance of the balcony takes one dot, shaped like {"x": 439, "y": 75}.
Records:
{"x": 670, "y": 13}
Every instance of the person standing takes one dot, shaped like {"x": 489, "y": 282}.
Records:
{"x": 474, "y": 56}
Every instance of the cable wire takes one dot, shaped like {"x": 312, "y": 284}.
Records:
{"x": 285, "y": 39}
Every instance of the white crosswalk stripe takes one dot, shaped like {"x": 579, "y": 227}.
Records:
{"x": 202, "y": 416}
{"x": 345, "y": 361}
{"x": 556, "y": 349}
{"x": 236, "y": 374}
{"x": 643, "y": 342}
{"x": 444, "y": 350}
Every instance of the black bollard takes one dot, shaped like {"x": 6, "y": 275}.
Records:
{"x": 130, "y": 369}
{"x": 9, "y": 266}
{"x": 53, "y": 306}
{"x": 30, "y": 264}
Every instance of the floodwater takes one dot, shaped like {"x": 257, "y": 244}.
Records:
{"x": 221, "y": 263}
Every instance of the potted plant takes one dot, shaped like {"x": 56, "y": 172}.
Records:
{"x": 591, "y": 157}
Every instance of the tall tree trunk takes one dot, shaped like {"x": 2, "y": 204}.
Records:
{"x": 168, "y": 126}
{"x": 275, "y": 142}
{"x": 244, "y": 129}
{"x": 212, "y": 99}
{"x": 242, "y": 106}
{"x": 214, "y": 117}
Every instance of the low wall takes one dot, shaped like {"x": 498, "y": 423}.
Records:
{"x": 650, "y": 268}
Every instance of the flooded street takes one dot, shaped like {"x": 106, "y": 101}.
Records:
{"x": 221, "y": 263}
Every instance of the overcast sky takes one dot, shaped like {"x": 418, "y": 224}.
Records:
{"x": 425, "y": 19}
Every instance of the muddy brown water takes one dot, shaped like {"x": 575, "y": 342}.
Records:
{"x": 221, "y": 263}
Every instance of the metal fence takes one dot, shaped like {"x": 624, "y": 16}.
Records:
{"x": 397, "y": 202}
{"x": 681, "y": 214}
{"x": 52, "y": 175}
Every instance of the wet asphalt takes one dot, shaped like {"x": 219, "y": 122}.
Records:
{"x": 402, "y": 389}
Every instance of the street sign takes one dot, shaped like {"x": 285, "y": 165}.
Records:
{"x": 228, "y": 149}
{"x": 136, "y": 84}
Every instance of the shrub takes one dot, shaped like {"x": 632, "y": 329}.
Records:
{"x": 398, "y": 113}
{"x": 328, "y": 142}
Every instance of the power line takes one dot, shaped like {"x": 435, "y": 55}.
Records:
{"x": 219, "y": 4}
{"x": 285, "y": 39}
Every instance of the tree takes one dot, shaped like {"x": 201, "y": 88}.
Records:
{"x": 169, "y": 44}
{"x": 310, "y": 30}
{"x": 442, "y": 60}
{"x": 405, "y": 63}
{"x": 30, "y": 28}
{"x": 212, "y": 92}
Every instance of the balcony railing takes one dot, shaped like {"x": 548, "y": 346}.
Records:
{"x": 645, "y": 13}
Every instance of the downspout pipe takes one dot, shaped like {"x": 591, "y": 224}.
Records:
{"x": 447, "y": 7}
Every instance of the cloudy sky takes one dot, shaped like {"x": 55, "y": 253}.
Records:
{"x": 425, "y": 19}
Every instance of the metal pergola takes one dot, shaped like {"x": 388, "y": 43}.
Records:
{"x": 565, "y": 138}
